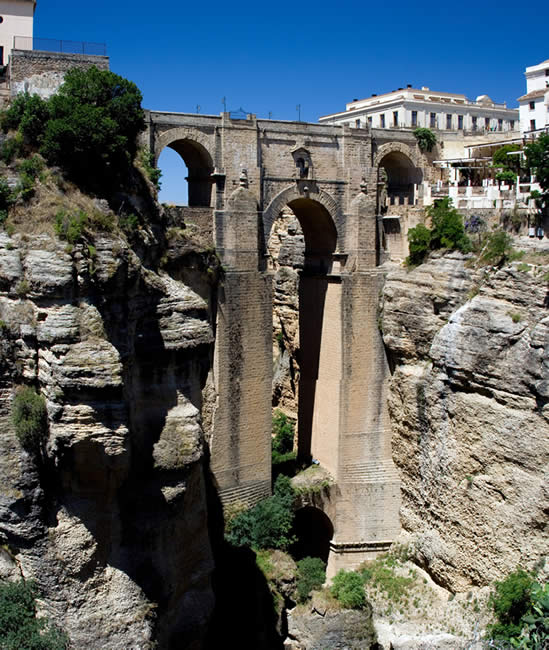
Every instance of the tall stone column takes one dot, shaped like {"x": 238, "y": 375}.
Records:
{"x": 368, "y": 496}
{"x": 241, "y": 441}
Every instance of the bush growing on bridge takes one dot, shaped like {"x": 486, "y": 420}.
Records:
{"x": 282, "y": 443}
{"x": 348, "y": 588}
{"x": 426, "y": 139}
{"x": 19, "y": 626}
{"x": 269, "y": 523}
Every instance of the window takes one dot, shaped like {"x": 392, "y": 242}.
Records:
{"x": 448, "y": 121}
{"x": 414, "y": 118}
{"x": 370, "y": 120}
{"x": 382, "y": 121}
{"x": 487, "y": 123}
{"x": 547, "y": 72}
{"x": 357, "y": 124}
{"x": 460, "y": 122}
{"x": 433, "y": 120}
{"x": 532, "y": 125}
{"x": 512, "y": 125}
{"x": 500, "y": 125}
{"x": 395, "y": 118}
{"x": 474, "y": 118}
{"x": 532, "y": 106}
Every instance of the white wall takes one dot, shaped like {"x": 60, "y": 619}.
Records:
{"x": 17, "y": 21}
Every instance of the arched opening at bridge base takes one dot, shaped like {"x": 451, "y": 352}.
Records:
{"x": 314, "y": 532}
{"x": 402, "y": 177}
{"x": 307, "y": 331}
{"x": 199, "y": 166}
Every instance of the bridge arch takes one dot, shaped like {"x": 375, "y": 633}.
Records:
{"x": 317, "y": 212}
{"x": 314, "y": 532}
{"x": 195, "y": 148}
{"x": 403, "y": 167}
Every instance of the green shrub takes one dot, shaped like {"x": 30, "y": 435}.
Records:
{"x": 25, "y": 187}
{"x": 31, "y": 166}
{"x": 11, "y": 148}
{"x": 348, "y": 588}
{"x": 447, "y": 229}
{"x": 30, "y": 418}
{"x": 510, "y": 602}
{"x": 419, "y": 239}
{"x": 20, "y": 629}
{"x": 129, "y": 223}
{"x": 426, "y": 139}
{"x": 6, "y": 199}
{"x": 22, "y": 288}
{"x": 501, "y": 159}
{"x": 70, "y": 227}
{"x": 269, "y": 523}
{"x": 498, "y": 248}
{"x": 146, "y": 158}
{"x": 283, "y": 433}
{"x": 506, "y": 176}
{"x": 311, "y": 574}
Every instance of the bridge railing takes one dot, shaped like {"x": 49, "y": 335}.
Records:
{"x": 57, "y": 45}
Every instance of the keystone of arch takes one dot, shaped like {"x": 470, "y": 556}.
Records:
{"x": 292, "y": 193}
{"x": 166, "y": 138}
{"x": 397, "y": 147}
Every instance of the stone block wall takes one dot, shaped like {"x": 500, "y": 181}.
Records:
{"x": 42, "y": 73}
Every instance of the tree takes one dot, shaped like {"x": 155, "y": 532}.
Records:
{"x": 419, "y": 239}
{"x": 501, "y": 159}
{"x": 95, "y": 119}
{"x": 537, "y": 159}
{"x": 426, "y": 139}
{"x": 447, "y": 229}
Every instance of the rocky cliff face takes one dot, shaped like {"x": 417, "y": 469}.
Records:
{"x": 111, "y": 517}
{"x": 469, "y": 408}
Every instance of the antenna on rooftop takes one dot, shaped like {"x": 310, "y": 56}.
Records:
{"x": 224, "y": 102}
{"x": 198, "y": 107}
{"x": 298, "y": 109}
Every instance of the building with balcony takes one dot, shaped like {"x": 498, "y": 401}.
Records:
{"x": 410, "y": 108}
{"x": 534, "y": 105}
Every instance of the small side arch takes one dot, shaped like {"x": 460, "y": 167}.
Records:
{"x": 314, "y": 532}
{"x": 195, "y": 149}
{"x": 398, "y": 148}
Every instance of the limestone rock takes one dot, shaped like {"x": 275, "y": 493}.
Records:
{"x": 468, "y": 397}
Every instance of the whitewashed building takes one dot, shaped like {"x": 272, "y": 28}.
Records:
{"x": 534, "y": 106}
{"x": 421, "y": 107}
{"x": 16, "y": 20}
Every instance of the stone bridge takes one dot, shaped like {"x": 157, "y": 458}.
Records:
{"x": 242, "y": 173}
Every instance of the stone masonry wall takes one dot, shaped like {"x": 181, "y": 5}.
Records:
{"x": 42, "y": 73}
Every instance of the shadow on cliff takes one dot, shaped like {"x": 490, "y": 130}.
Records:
{"x": 244, "y": 616}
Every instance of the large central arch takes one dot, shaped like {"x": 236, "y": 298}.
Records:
{"x": 319, "y": 313}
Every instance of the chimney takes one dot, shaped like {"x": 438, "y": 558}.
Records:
{"x": 409, "y": 86}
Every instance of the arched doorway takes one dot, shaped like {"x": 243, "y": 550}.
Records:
{"x": 314, "y": 531}
{"x": 402, "y": 177}
{"x": 306, "y": 325}
{"x": 199, "y": 167}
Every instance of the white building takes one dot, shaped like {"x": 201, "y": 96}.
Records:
{"x": 534, "y": 106}
{"x": 16, "y": 20}
{"x": 412, "y": 107}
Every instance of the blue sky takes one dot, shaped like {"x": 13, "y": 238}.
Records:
{"x": 269, "y": 57}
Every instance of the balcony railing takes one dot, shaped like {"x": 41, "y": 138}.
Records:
{"x": 56, "y": 45}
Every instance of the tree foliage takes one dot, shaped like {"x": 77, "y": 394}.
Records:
{"x": 89, "y": 128}
{"x": 426, "y": 139}
{"x": 348, "y": 588}
{"x": 521, "y": 607}
{"x": 447, "y": 231}
{"x": 30, "y": 418}
{"x": 19, "y": 626}
{"x": 501, "y": 159}
{"x": 311, "y": 574}
{"x": 269, "y": 523}
{"x": 537, "y": 159}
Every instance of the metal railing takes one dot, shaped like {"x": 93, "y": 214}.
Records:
{"x": 56, "y": 45}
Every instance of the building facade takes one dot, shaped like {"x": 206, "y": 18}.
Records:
{"x": 534, "y": 105}
{"x": 412, "y": 107}
{"x": 16, "y": 20}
